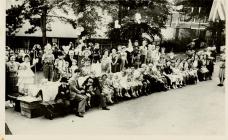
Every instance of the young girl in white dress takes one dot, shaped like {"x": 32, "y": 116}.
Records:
{"x": 73, "y": 67}
{"x": 178, "y": 75}
{"x": 25, "y": 75}
{"x": 123, "y": 56}
{"x": 107, "y": 88}
{"x": 150, "y": 53}
{"x": 116, "y": 84}
{"x": 137, "y": 81}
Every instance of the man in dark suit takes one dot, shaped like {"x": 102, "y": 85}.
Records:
{"x": 77, "y": 94}
{"x": 63, "y": 96}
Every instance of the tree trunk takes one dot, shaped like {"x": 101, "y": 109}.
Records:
{"x": 119, "y": 12}
{"x": 120, "y": 20}
{"x": 218, "y": 43}
{"x": 43, "y": 26}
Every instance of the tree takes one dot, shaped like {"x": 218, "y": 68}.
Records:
{"x": 154, "y": 14}
{"x": 14, "y": 19}
{"x": 38, "y": 13}
{"x": 41, "y": 12}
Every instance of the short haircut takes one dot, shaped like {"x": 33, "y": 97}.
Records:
{"x": 77, "y": 71}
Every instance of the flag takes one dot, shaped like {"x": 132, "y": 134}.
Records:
{"x": 199, "y": 9}
{"x": 192, "y": 9}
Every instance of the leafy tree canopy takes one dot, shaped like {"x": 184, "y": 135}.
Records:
{"x": 154, "y": 14}
{"x": 36, "y": 11}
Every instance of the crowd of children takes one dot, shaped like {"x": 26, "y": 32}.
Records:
{"x": 122, "y": 73}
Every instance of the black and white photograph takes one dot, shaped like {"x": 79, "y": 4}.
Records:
{"x": 115, "y": 67}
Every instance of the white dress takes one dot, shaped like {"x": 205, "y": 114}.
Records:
{"x": 105, "y": 64}
{"x": 25, "y": 75}
{"x": 96, "y": 67}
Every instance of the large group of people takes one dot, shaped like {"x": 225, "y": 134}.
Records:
{"x": 90, "y": 76}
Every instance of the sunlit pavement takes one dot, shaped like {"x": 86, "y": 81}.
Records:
{"x": 192, "y": 110}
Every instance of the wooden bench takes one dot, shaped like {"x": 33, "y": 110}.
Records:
{"x": 30, "y": 106}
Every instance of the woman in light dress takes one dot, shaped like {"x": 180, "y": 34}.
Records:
{"x": 150, "y": 54}
{"x": 106, "y": 62}
{"x": 86, "y": 63}
{"x": 157, "y": 55}
{"x": 25, "y": 75}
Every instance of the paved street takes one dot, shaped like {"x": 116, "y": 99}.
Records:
{"x": 192, "y": 110}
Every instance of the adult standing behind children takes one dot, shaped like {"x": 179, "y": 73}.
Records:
{"x": 48, "y": 62}
{"x": 12, "y": 68}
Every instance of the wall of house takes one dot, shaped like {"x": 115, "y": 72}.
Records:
{"x": 18, "y": 42}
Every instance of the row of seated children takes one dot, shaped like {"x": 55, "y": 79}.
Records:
{"x": 132, "y": 83}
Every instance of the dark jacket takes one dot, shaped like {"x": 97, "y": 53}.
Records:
{"x": 63, "y": 93}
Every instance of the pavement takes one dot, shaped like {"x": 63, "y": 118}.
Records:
{"x": 192, "y": 110}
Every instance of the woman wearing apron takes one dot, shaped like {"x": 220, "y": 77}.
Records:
{"x": 12, "y": 68}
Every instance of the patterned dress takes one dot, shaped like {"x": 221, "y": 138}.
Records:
{"x": 12, "y": 76}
